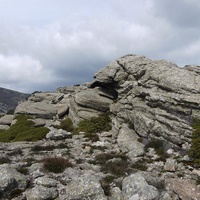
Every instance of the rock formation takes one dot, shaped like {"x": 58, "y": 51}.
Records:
{"x": 152, "y": 105}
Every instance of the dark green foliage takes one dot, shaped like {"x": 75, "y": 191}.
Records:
{"x": 66, "y": 125}
{"x": 4, "y": 160}
{"x": 116, "y": 164}
{"x": 194, "y": 151}
{"x": 139, "y": 165}
{"x": 94, "y": 125}
{"x": 23, "y": 130}
{"x": 56, "y": 164}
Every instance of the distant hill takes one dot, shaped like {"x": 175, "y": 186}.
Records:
{"x": 9, "y": 99}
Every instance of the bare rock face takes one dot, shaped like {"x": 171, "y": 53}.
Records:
{"x": 157, "y": 98}
{"x": 135, "y": 187}
{"x": 11, "y": 180}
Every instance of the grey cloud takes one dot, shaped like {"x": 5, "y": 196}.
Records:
{"x": 180, "y": 13}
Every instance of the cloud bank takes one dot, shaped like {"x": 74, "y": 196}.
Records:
{"x": 47, "y": 44}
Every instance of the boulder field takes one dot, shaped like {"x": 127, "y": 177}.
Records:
{"x": 152, "y": 105}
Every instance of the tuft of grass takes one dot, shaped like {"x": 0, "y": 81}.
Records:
{"x": 56, "y": 164}
{"x": 23, "y": 130}
{"x": 94, "y": 125}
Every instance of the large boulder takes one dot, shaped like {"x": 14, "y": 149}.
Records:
{"x": 91, "y": 98}
{"x": 135, "y": 187}
{"x": 156, "y": 98}
{"x": 37, "y": 109}
{"x": 6, "y": 119}
{"x": 82, "y": 185}
{"x": 11, "y": 181}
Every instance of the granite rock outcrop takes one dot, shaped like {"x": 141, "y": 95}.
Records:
{"x": 151, "y": 104}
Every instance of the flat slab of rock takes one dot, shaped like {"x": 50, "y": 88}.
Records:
{"x": 91, "y": 99}
{"x": 38, "y": 109}
{"x": 6, "y": 119}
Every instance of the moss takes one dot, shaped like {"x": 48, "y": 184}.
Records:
{"x": 94, "y": 125}
{"x": 23, "y": 130}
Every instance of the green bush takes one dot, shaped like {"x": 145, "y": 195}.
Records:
{"x": 56, "y": 164}
{"x": 94, "y": 125}
{"x": 23, "y": 130}
{"x": 116, "y": 164}
{"x": 194, "y": 151}
{"x": 66, "y": 125}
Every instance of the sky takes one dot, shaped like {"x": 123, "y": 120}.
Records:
{"x": 46, "y": 44}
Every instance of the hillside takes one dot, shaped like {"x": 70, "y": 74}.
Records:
{"x": 132, "y": 133}
{"x": 9, "y": 99}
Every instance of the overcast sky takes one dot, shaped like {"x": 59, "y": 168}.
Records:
{"x": 45, "y": 44}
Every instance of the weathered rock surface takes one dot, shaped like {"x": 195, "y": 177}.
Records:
{"x": 11, "y": 180}
{"x": 156, "y": 97}
{"x": 135, "y": 187}
{"x": 6, "y": 119}
{"x": 38, "y": 109}
{"x": 147, "y": 101}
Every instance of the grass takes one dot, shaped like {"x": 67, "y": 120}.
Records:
{"x": 23, "y": 130}
{"x": 56, "y": 164}
{"x": 94, "y": 125}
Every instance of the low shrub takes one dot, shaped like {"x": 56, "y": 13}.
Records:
{"x": 66, "y": 125}
{"x": 116, "y": 164}
{"x": 94, "y": 125}
{"x": 23, "y": 130}
{"x": 158, "y": 145}
{"x": 194, "y": 151}
{"x": 38, "y": 148}
{"x": 4, "y": 160}
{"x": 56, "y": 164}
{"x": 92, "y": 136}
